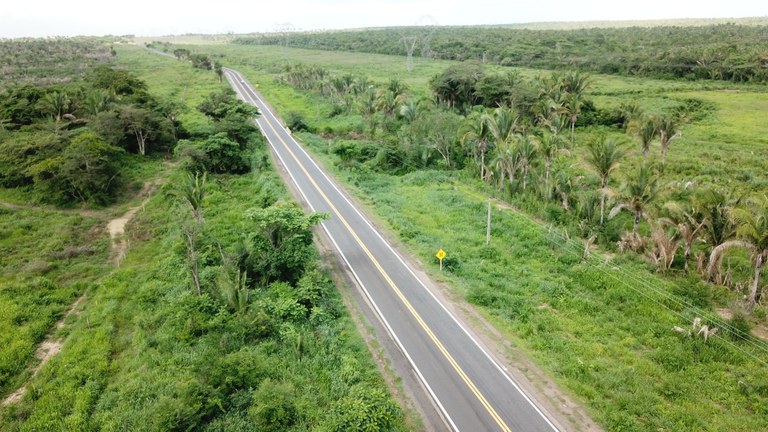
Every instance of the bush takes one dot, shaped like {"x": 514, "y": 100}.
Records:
{"x": 272, "y": 408}
{"x": 742, "y": 328}
{"x": 364, "y": 410}
{"x": 296, "y": 123}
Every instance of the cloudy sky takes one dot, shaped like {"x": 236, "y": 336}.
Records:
{"x": 37, "y": 18}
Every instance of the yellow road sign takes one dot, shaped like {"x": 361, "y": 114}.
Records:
{"x": 440, "y": 254}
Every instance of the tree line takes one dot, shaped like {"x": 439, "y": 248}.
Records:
{"x": 727, "y": 52}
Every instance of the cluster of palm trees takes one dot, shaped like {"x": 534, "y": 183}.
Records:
{"x": 347, "y": 91}
{"x": 531, "y": 151}
{"x": 680, "y": 217}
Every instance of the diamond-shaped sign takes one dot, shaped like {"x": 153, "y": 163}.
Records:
{"x": 440, "y": 254}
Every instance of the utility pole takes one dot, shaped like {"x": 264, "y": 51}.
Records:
{"x": 488, "y": 225}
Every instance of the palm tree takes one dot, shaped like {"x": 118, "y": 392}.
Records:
{"x": 603, "y": 157}
{"x": 631, "y": 114}
{"x": 193, "y": 192}
{"x": 501, "y": 124}
{"x": 506, "y": 161}
{"x": 647, "y": 132}
{"x": 527, "y": 149}
{"x": 752, "y": 233}
{"x": 565, "y": 184}
{"x": 689, "y": 220}
{"x": 368, "y": 107}
{"x": 57, "y": 103}
{"x": 575, "y": 85}
{"x": 396, "y": 87}
{"x": 476, "y": 134}
{"x": 572, "y": 108}
{"x": 715, "y": 207}
{"x": 668, "y": 127}
{"x": 409, "y": 110}
{"x": 638, "y": 193}
{"x": 549, "y": 147}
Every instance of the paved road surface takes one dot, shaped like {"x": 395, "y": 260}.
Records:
{"x": 472, "y": 391}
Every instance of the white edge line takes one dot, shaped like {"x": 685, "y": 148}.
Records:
{"x": 367, "y": 222}
{"x": 359, "y": 281}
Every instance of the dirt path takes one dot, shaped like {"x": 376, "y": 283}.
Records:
{"x": 119, "y": 246}
{"x": 116, "y": 227}
{"x": 49, "y": 348}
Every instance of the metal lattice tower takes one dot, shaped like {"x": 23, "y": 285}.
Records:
{"x": 410, "y": 45}
{"x": 426, "y": 26}
{"x": 284, "y": 30}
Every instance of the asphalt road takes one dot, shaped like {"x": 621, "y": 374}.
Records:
{"x": 471, "y": 389}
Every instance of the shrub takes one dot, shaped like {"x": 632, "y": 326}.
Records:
{"x": 364, "y": 410}
{"x": 272, "y": 408}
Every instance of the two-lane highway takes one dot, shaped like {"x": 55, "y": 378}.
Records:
{"x": 468, "y": 386}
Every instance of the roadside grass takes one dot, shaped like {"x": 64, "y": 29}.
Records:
{"x": 601, "y": 327}
{"x": 47, "y": 260}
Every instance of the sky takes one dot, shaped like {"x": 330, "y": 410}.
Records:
{"x": 42, "y": 18}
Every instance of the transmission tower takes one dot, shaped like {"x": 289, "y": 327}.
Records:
{"x": 426, "y": 26}
{"x": 284, "y": 30}
{"x": 410, "y": 45}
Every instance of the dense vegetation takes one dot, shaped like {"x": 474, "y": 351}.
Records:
{"x": 218, "y": 318}
{"x": 598, "y": 165}
{"x": 68, "y": 143}
{"x": 50, "y": 61}
{"x": 718, "y": 52}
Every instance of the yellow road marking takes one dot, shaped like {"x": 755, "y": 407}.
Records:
{"x": 397, "y": 291}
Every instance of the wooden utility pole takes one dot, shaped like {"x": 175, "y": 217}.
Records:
{"x": 488, "y": 225}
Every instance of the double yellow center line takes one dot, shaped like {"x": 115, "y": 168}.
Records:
{"x": 396, "y": 289}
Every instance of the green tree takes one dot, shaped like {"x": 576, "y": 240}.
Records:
{"x": 281, "y": 244}
{"x": 223, "y": 155}
{"x": 443, "y": 135}
{"x": 637, "y": 193}
{"x": 219, "y": 71}
{"x": 146, "y": 127}
{"x": 527, "y": 150}
{"x": 603, "y": 157}
{"x": 668, "y": 127}
{"x": 118, "y": 82}
{"x": 752, "y": 234}
{"x": 575, "y": 84}
{"x": 455, "y": 87}
{"x": 56, "y": 103}
{"x": 476, "y": 135}
{"x": 86, "y": 171}
{"x": 647, "y": 131}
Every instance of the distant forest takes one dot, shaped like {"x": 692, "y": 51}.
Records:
{"x": 730, "y": 52}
